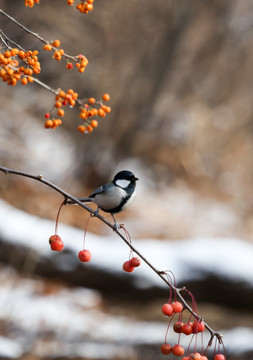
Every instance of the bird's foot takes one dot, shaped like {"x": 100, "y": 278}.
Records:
{"x": 96, "y": 212}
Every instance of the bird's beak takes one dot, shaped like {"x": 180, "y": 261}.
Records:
{"x": 135, "y": 179}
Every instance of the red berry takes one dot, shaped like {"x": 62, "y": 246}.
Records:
{"x": 135, "y": 262}
{"x": 187, "y": 329}
{"x": 198, "y": 326}
{"x": 177, "y": 306}
{"x": 47, "y": 115}
{"x": 203, "y": 357}
{"x": 166, "y": 349}
{"x": 178, "y": 350}
{"x": 195, "y": 356}
{"x": 219, "y": 357}
{"x": 177, "y": 327}
{"x": 56, "y": 243}
{"x": 186, "y": 358}
{"x": 127, "y": 266}
{"x": 69, "y": 65}
{"x": 167, "y": 309}
{"x": 84, "y": 255}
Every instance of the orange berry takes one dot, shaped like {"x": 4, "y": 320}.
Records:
{"x": 88, "y": 7}
{"x": 28, "y": 71}
{"x": 17, "y": 76}
{"x": 92, "y": 100}
{"x": 94, "y": 123}
{"x": 55, "y": 122}
{"x": 56, "y": 43}
{"x": 70, "y": 91}
{"x": 72, "y": 102}
{"x": 7, "y": 54}
{"x": 48, "y": 124}
{"x": 106, "y": 97}
{"x": 90, "y": 1}
{"x": 14, "y": 52}
{"x": 70, "y": 2}
{"x": 21, "y": 54}
{"x": 94, "y": 112}
{"x": 60, "y": 112}
{"x": 14, "y": 63}
{"x": 57, "y": 55}
{"x": 12, "y": 82}
{"x": 47, "y": 47}
{"x": 10, "y": 72}
{"x": 83, "y": 115}
{"x": 101, "y": 113}
{"x": 61, "y": 51}
{"x": 30, "y": 61}
{"x": 81, "y": 128}
{"x": 58, "y": 104}
{"x": 62, "y": 93}
{"x": 30, "y": 79}
{"x": 89, "y": 128}
{"x": 81, "y": 69}
{"x": 24, "y": 80}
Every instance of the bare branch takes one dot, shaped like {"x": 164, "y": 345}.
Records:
{"x": 161, "y": 274}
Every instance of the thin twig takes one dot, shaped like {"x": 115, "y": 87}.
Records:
{"x": 74, "y": 58}
{"x": 161, "y": 274}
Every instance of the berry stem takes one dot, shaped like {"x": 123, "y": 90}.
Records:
{"x": 57, "y": 217}
{"x": 85, "y": 229}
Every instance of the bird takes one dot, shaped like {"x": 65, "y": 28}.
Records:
{"x": 114, "y": 196}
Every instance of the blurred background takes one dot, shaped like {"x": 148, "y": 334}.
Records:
{"x": 180, "y": 78}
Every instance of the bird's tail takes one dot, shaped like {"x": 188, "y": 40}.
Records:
{"x": 83, "y": 200}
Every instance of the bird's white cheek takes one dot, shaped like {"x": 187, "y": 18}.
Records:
{"x": 123, "y": 183}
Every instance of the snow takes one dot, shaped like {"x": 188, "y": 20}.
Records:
{"x": 188, "y": 259}
{"x": 78, "y": 325}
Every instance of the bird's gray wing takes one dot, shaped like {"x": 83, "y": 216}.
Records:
{"x": 99, "y": 190}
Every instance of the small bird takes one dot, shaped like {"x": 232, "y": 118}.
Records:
{"x": 115, "y": 195}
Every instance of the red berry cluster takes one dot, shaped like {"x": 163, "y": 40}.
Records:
{"x": 56, "y": 243}
{"x": 10, "y": 69}
{"x": 130, "y": 265}
{"x": 170, "y": 309}
{"x": 133, "y": 261}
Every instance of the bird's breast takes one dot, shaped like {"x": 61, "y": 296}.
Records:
{"x": 110, "y": 199}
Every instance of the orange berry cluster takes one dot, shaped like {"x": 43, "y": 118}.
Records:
{"x": 88, "y": 111}
{"x": 87, "y": 107}
{"x": 11, "y": 72}
{"x": 53, "y": 45}
{"x": 61, "y": 99}
{"x": 84, "y": 6}
{"x": 81, "y": 60}
{"x": 31, "y": 3}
